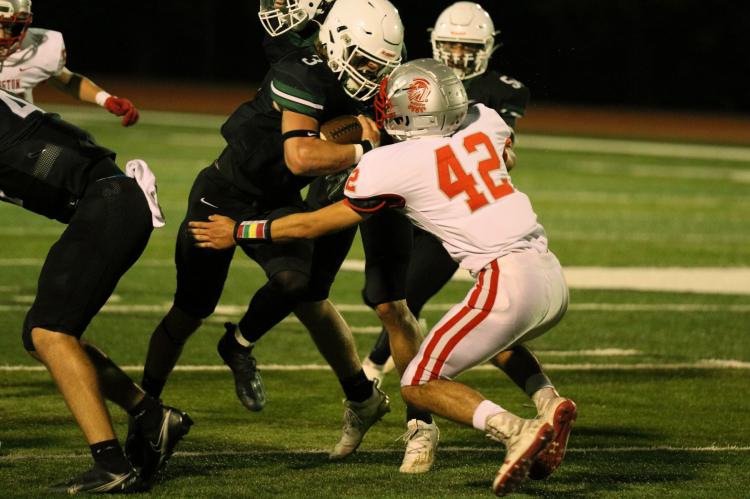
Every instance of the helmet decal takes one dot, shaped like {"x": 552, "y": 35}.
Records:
{"x": 419, "y": 93}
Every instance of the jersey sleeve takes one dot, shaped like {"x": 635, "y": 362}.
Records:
{"x": 53, "y": 56}
{"x": 370, "y": 187}
{"x": 297, "y": 87}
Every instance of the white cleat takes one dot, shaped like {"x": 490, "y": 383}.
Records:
{"x": 377, "y": 371}
{"x": 561, "y": 413}
{"x": 358, "y": 418}
{"x": 421, "y": 443}
{"x": 524, "y": 440}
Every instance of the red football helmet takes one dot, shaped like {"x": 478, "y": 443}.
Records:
{"x": 15, "y": 18}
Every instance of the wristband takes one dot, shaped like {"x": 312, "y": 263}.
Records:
{"x": 252, "y": 230}
{"x": 101, "y": 97}
{"x": 299, "y": 133}
{"x": 361, "y": 148}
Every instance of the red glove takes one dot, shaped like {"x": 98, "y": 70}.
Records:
{"x": 122, "y": 107}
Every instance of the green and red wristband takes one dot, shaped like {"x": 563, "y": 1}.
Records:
{"x": 252, "y": 230}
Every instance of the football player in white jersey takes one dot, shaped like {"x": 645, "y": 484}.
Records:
{"x": 29, "y": 56}
{"x": 454, "y": 183}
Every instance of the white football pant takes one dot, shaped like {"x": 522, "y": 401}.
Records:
{"x": 514, "y": 299}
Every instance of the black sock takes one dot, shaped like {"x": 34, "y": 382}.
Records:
{"x": 267, "y": 308}
{"x": 357, "y": 388}
{"x": 109, "y": 456}
{"x": 414, "y": 413}
{"x": 153, "y": 386}
{"x": 381, "y": 350}
{"x": 147, "y": 412}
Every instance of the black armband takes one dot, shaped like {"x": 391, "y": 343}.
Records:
{"x": 367, "y": 146}
{"x": 75, "y": 83}
{"x": 299, "y": 133}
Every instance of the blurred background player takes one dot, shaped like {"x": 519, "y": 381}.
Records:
{"x": 273, "y": 150}
{"x": 29, "y": 56}
{"x": 450, "y": 177}
{"x": 387, "y": 237}
{"x": 55, "y": 169}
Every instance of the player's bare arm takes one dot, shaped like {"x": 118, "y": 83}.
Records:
{"x": 312, "y": 156}
{"x": 221, "y": 232}
{"x": 81, "y": 88}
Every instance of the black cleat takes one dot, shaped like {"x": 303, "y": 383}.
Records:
{"x": 150, "y": 449}
{"x": 247, "y": 381}
{"x": 97, "y": 480}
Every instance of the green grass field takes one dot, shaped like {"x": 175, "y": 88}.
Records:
{"x": 660, "y": 377}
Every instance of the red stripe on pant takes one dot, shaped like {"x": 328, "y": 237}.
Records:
{"x": 447, "y": 326}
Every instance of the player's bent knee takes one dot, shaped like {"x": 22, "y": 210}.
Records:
{"x": 392, "y": 311}
{"x": 290, "y": 283}
{"x": 43, "y": 340}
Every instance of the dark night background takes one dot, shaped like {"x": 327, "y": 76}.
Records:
{"x": 652, "y": 54}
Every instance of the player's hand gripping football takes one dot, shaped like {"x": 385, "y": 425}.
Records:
{"x": 370, "y": 130}
{"x": 122, "y": 107}
{"x": 217, "y": 233}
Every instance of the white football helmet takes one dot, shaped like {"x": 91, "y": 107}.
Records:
{"x": 279, "y": 16}
{"x": 15, "y": 18}
{"x": 468, "y": 24}
{"x": 363, "y": 41}
{"x": 421, "y": 98}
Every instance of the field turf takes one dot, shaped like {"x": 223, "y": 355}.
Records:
{"x": 660, "y": 378}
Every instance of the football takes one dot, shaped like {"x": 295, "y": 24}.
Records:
{"x": 342, "y": 130}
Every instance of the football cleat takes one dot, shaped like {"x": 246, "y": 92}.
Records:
{"x": 524, "y": 440}
{"x": 358, "y": 418}
{"x": 98, "y": 480}
{"x": 421, "y": 443}
{"x": 247, "y": 381}
{"x": 561, "y": 413}
{"x": 377, "y": 371}
{"x": 150, "y": 449}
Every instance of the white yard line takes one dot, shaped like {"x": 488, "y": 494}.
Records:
{"x": 586, "y": 366}
{"x": 712, "y": 280}
{"x": 456, "y": 449}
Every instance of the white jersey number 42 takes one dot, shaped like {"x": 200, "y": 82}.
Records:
{"x": 454, "y": 180}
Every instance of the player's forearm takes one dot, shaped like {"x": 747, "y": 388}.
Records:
{"x": 76, "y": 85}
{"x": 315, "y": 157}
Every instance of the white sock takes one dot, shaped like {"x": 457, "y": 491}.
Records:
{"x": 483, "y": 411}
{"x": 241, "y": 339}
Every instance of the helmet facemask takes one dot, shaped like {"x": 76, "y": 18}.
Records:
{"x": 466, "y": 59}
{"x": 280, "y": 16}
{"x": 361, "y": 72}
{"x": 14, "y": 28}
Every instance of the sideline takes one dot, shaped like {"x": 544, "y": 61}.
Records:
{"x": 527, "y": 141}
